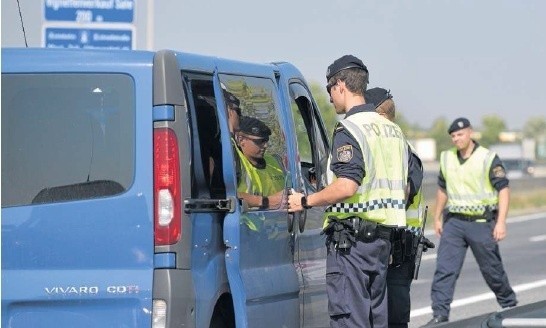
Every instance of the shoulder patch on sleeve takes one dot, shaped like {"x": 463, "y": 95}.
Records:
{"x": 498, "y": 172}
{"x": 344, "y": 153}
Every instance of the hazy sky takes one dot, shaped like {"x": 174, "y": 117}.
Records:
{"x": 440, "y": 58}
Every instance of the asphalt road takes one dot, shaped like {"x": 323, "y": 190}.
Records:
{"x": 524, "y": 256}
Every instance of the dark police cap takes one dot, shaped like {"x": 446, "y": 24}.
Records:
{"x": 377, "y": 96}
{"x": 345, "y": 62}
{"x": 254, "y": 127}
{"x": 231, "y": 99}
{"x": 458, "y": 124}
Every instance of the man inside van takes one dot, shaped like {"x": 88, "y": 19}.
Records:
{"x": 262, "y": 176}
{"x": 234, "y": 111}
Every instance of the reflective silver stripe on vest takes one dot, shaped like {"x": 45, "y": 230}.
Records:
{"x": 368, "y": 162}
{"x": 368, "y": 206}
{"x": 382, "y": 184}
{"x": 413, "y": 212}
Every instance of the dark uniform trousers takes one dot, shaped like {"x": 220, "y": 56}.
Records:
{"x": 458, "y": 234}
{"x": 399, "y": 280}
{"x": 356, "y": 284}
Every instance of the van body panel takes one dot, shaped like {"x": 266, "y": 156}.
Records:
{"x": 87, "y": 262}
{"x": 82, "y": 254}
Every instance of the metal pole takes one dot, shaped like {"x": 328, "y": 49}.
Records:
{"x": 150, "y": 25}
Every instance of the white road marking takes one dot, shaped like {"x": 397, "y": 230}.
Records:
{"x": 537, "y": 238}
{"x": 428, "y": 257}
{"x": 479, "y": 298}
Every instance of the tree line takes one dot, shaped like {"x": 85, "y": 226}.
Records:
{"x": 489, "y": 130}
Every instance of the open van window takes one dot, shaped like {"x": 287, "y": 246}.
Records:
{"x": 66, "y": 137}
{"x": 259, "y": 141}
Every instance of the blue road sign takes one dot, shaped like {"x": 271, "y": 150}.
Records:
{"x": 89, "y": 11}
{"x": 89, "y": 38}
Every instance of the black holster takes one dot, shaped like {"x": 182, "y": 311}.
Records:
{"x": 404, "y": 246}
{"x": 339, "y": 232}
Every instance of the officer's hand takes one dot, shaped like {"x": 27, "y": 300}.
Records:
{"x": 438, "y": 227}
{"x": 499, "y": 233}
{"x": 294, "y": 202}
{"x": 427, "y": 244}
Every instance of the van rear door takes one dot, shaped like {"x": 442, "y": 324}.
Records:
{"x": 77, "y": 227}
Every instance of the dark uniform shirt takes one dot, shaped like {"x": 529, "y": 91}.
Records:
{"x": 497, "y": 173}
{"x": 348, "y": 161}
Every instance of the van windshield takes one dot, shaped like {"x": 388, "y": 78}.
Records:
{"x": 66, "y": 137}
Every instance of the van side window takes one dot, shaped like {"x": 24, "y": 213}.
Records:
{"x": 312, "y": 144}
{"x": 209, "y": 153}
{"x": 259, "y": 144}
{"x": 66, "y": 137}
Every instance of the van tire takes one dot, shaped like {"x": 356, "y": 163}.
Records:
{"x": 223, "y": 316}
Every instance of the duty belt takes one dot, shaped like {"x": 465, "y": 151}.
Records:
{"x": 366, "y": 230}
{"x": 470, "y": 218}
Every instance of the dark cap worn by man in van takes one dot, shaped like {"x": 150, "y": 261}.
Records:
{"x": 343, "y": 63}
{"x": 458, "y": 124}
{"x": 254, "y": 127}
{"x": 377, "y": 96}
{"x": 231, "y": 99}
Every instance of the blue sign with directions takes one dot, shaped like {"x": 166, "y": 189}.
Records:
{"x": 90, "y": 11}
{"x": 88, "y": 38}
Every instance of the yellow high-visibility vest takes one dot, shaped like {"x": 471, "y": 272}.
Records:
{"x": 381, "y": 195}
{"x": 263, "y": 182}
{"x": 468, "y": 187}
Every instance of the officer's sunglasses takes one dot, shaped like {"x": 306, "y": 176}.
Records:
{"x": 330, "y": 86}
{"x": 260, "y": 142}
{"x": 236, "y": 109}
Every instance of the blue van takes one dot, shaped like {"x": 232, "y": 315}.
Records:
{"x": 123, "y": 197}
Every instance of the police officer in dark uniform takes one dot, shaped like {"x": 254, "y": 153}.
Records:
{"x": 405, "y": 241}
{"x": 369, "y": 164}
{"x": 473, "y": 198}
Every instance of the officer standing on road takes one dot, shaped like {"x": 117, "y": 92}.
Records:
{"x": 405, "y": 240}
{"x": 366, "y": 196}
{"x": 474, "y": 197}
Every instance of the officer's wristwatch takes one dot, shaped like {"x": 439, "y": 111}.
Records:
{"x": 304, "y": 202}
{"x": 265, "y": 202}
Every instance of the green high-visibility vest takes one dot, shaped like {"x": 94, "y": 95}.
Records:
{"x": 263, "y": 182}
{"x": 381, "y": 195}
{"x": 468, "y": 187}
{"x": 415, "y": 212}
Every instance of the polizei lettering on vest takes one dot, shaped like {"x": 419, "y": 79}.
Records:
{"x": 388, "y": 131}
